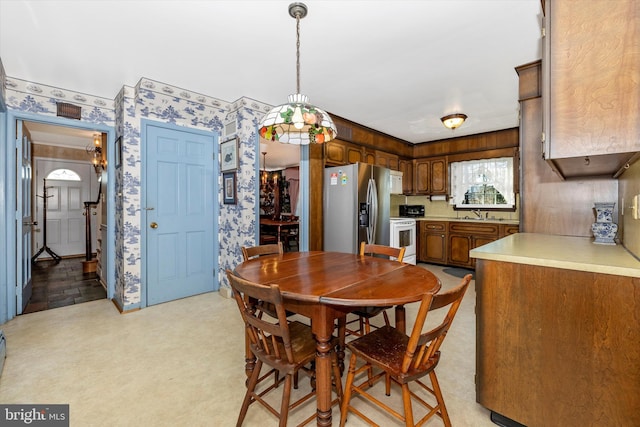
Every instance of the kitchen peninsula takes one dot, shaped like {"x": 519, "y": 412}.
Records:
{"x": 558, "y": 331}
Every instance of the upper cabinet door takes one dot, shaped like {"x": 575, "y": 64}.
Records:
{"x": 591, "y": 87}
{"x": 421, "y": 173}
{"x": 431, "y": 175}
{"x": 439, "y": 176}
{"x": 406, "y": 167}
{"x": 339, "y": 153}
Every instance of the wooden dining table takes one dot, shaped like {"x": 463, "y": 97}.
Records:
{"x": 325, "y": 286}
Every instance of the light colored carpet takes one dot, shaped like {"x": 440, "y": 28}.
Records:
{"x": 182, "y": 364}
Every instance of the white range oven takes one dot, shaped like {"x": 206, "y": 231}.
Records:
{"x": 403, "y": 233}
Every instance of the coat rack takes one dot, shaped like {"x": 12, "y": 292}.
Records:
{"x": 44, "y": 247}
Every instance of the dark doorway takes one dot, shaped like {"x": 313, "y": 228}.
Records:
{"x": 61, "y": 284}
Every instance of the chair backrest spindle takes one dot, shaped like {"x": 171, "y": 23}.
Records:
{"x": 423, "y": 348}
{"x": 266, "y": 333}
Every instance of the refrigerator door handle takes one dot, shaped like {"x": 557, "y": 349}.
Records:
{"x": 372, "y": 200}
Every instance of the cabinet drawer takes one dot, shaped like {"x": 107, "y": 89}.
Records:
{"x": 433, "y": 226}
{"x": 473, "y": 228}
{"x": 507, "y": 229}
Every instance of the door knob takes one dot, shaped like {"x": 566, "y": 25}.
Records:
{"x": 154, "y": 225}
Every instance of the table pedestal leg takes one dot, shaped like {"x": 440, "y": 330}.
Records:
{"x": 323, "y": 380}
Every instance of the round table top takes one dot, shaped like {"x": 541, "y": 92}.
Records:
{"x": 343, "y": 279}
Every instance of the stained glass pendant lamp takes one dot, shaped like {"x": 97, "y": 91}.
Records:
{"x": 297, "y": 122}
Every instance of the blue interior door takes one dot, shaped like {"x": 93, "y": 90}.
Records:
{"x": 25, "y": 225}
{"x": 179, "y": 214}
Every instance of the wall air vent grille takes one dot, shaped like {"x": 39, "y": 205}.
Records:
{"x": 69, "y": 111}
{"x": 230, "y": 128}
{"x": 344, "y": 132}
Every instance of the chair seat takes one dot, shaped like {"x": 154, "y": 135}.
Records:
{"x": 385, "y": 348}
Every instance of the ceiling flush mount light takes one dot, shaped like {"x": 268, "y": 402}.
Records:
{"x": 453, "y": 121}
{"x": 297, "y": 122}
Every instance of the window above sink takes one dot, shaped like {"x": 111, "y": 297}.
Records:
{"x": 483, "y": 184}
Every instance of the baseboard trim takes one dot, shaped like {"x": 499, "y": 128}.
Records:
{"x": 226, "y": 292}
{"x": 503, "y": 421}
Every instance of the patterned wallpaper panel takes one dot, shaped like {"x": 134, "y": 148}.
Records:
{"x": 168, "y": 104}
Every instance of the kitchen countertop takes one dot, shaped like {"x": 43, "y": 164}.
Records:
{"x": 570, "y": 253}
{"x": 451, "y": 219}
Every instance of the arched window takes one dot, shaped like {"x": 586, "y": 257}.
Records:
{"x": 64, "y": 175}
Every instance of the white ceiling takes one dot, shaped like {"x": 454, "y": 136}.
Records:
{"x": 393, "y": 66}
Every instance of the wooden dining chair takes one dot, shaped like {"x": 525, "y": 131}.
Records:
{"x": 365, "y": 314}
{"x": 249, "y": 252}
{"x": 386, "y": 251}
{"x": 284, "y": 346}
{"x": 404, "y": 359}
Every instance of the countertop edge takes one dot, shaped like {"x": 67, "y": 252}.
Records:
{"x": 528, "y": 248}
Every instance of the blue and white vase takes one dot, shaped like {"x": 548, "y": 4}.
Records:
{"x": 604, "y": 229}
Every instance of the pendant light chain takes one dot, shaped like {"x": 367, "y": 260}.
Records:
{"x": 298, "y": 52}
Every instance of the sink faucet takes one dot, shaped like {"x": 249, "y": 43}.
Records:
{"x": 478, "y": 213}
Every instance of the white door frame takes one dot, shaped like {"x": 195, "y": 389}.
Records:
{"x": 24, "y": 215}
{"x": 11, "y": 212}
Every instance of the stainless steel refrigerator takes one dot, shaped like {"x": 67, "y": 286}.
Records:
{"x": 356, "y": 206}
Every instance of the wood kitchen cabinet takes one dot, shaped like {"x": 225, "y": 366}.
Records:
{"x": 543, "y": 339}
{"x": 387, "y": 160}
{"x": 459, "y": 247}
{"x": 449, "y": 242}
{"x": 406, "y": 167}
{"x": 507, "y": 229}
{"x": 591, "y": 89}
{"x": 369, "y": 156}
{"x": 339, "y": 153}
{"x": 556, "y": 338}
{"x": 430, "y": 175}
{"x": 432, "y": 242}
{"x": 464, "y": 236}
{"x": 541, "y": 188}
